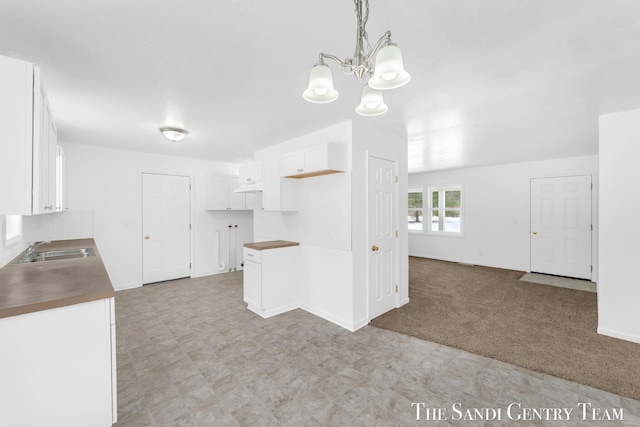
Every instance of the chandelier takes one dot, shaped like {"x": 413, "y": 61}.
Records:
{"x": 386, "y": 73}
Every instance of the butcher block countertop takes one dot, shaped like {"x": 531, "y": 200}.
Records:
{"x": 26, "y": 288}
{"x": 273, "y": 244}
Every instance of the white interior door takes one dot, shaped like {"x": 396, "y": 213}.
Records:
{"x": 382, "y": 223}
{"x": 165, "y": 228}
{"x": 561, "y": 226}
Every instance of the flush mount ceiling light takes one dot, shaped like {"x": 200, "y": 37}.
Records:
{"x": 386, "y": 73}
{"x": 174, "y": 134}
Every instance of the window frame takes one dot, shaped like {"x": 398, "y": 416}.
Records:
{"x": 441, "y": 200}
{"x": 16, "y": 237}
{"x": 416, "y": 190}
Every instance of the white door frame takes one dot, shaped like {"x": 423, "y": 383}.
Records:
{"x": 397, "y": 219}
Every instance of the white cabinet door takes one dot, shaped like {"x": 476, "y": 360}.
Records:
{"x": 251, "y": 173}
{"x": 28, "y": 141}
{"x": 252, "y": 284}
{"x": 278, "y": 194}
{"x": 313, "y": 161}
{"x": 220, "y": 194}
{"x": 56, "y": 367}
{"x": 292, "y": 164}
{"x": 216, "y": 193}
{"x": 45, "y": 143}
{"x": 316, "y": 159}
{"x": 271, "y": 185}
{"x": 235, "y": 200}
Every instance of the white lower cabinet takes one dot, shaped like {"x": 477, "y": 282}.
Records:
{"x": 58, "y": 367}
{"x": 271, "y": 280}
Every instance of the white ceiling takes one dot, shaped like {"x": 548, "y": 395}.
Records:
{"x": 493, "y": 81}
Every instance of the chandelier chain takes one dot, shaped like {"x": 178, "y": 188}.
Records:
{"x": 360, "y": 64}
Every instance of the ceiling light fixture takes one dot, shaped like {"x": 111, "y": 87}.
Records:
{"x": 174, "y": 134}
{"x": 387, "y": 72}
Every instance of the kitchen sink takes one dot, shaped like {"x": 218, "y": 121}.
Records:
{"x": 57, "y": 255}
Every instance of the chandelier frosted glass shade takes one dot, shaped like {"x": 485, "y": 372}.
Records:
{"x": 389, "y": 72}
{"x": 320, "y": 90}
{"x": 371, "y": 103}
{"x": 174, "y": 134}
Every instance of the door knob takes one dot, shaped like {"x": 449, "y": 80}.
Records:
{"x": 535, "y": 232}
{"x": 374, "y": 248}
{"x": 146, "y": 237}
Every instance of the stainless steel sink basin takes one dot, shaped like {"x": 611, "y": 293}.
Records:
{"x": 57, "y": 255}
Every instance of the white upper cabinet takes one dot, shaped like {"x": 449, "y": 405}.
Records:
{"x": 318, "y": 160}
{"x": 220, "y": 194}
{"x": 279, "y": 194}
{"x": 251, "y": 174}
{"x": 28, "y": 145}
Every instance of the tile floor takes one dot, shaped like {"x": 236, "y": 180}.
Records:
{"x": 191, "y": 354}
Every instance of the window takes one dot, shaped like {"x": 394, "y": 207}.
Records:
{"x": 12, "y": 229}
{"x": 445, "y": 208}
{"x": 415, "y": 210}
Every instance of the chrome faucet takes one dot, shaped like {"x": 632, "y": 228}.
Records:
{"x": 32, "y": 248}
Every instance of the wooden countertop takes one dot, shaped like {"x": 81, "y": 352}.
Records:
{"x": 273, "y": 244}
{"x": 26, "y": 288}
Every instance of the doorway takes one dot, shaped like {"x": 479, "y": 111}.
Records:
{"x": 382, "y": 235}
{"x": 166, "y": 253}
{"x": 561, "y": 226}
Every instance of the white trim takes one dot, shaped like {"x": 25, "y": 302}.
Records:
{"x": 265, "y": 314}
{"x": 619, "y": 335}
{"x": 350, "y": 326}
{"x": 415, "y": 190}
{"x": 125, "y": 286}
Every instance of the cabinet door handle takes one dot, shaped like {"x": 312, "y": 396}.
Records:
{"x": 300, "y": 170}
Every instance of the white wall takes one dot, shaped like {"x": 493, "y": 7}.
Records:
{"x": 108, "y": 182}
{"x": 618, "y": 287}
{"x": 496, "y": 212}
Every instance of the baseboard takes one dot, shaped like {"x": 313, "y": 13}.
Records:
{"x": 360, "y": 324}
{"x": 197, "y": 274}
{"x": 350, "y": 326}
{"x": 274, "y": 311}
{"x": 619, "y": 335}
{"x": 471, "y": 263}
{"x": 125, "y": 286}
